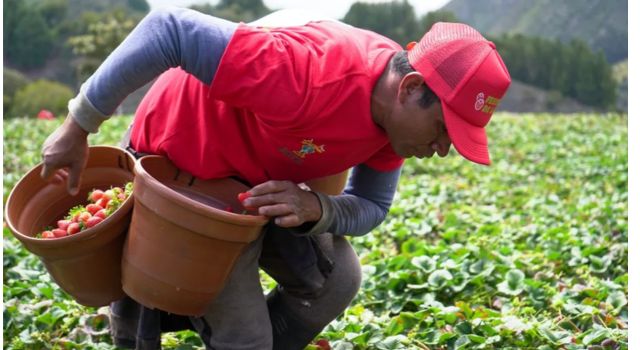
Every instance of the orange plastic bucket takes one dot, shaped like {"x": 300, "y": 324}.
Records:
{"x": 182, "y": 243}
{"x": 85, "y": 265}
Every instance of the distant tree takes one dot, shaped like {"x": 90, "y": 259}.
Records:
{"x": 570, "y": 69}
{"x": 53, "y": 11}
{"x": 235, "y": 10}
{"x": 41, "y": 94}
{"x": 28, "y": 39}
{"x": 12, "y": 82}
{"x": 138, "y": 5}
{"x": 104, "y": 34}
{"x": 394, "y": 19}
{"x": 433, "y": 17}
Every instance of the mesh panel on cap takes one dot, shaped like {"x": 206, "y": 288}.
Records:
{"x": 453, "y": 68}
{"x": 451, "y": 49}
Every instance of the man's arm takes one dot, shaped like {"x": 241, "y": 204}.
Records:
{"x": 164, "y": 39}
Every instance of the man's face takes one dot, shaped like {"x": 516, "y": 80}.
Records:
{"x": 415, "y": 131}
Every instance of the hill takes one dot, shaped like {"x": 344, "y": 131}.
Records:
{"x": 602, "y": 24}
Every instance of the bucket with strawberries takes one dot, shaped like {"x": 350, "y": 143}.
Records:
{"x": 184, "y": 238}
{"x": 78, "y": 238}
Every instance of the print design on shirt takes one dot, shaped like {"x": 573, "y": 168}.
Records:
{"x": 307, "y": 147}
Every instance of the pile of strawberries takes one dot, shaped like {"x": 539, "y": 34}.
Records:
{"x": 101, "y": 205}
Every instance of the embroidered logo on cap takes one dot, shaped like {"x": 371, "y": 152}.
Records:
{"x": 486, "y": 106}
{"x": 479, "y": 101}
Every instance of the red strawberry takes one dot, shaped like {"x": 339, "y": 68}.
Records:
{"x": 47, "y": 234}
{"x": 63, "y": 224}
{"x": 84, "y": 216}
{"x": 103, "y": 202}
{"x": 323, "y": 344}
{"x": 74, "y": 228}
{"x": 108, "y": 194}
{"x": 101, "y": 214}
{"x": 93, "y": 221}
{"x": 95, "y": 195}
{"x": 58, "y": 232}
{"x": 93, "y": 208}
{"x": 242, "y": 196}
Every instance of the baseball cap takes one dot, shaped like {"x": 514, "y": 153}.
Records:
{"x": 468, "y": 75}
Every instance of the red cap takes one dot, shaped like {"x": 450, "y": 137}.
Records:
{"x": 466, "y": 72}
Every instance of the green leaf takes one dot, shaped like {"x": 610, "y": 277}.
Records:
{"x": 424, "y": 263}
{"x": 514, "y": 278}
{"x": 462, "y": 342}
{"x": 617, "y": 299}
{"x": 593, "y": 336}
{"x": 439, "y": 278}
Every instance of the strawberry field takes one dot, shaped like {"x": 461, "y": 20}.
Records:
{"x": 530, "y": 253}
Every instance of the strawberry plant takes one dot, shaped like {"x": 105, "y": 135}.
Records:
{"x": 530, "y": 253}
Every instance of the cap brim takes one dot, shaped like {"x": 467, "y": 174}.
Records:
{"x": 468, "y": 139}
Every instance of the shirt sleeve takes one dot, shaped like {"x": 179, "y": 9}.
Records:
{"x": 362, "y": 206}
{"x": 164, "y": 39}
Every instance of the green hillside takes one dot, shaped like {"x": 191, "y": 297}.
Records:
{"x": 601, "y": 24}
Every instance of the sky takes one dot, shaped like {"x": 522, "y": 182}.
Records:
{"x": 330, "y": 8}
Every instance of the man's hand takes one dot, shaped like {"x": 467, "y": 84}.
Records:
{"x": 290, "y": 205}
{"x": 64, "y": 155}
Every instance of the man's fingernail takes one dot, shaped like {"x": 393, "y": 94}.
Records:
{"x": 74, "y": 191}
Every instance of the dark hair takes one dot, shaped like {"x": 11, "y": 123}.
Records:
{"x": 400, "y": 64}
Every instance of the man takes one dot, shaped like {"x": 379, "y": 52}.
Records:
{"x": 278, "y": 106}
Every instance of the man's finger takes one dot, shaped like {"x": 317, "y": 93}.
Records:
{"x": 73, "y": 179}
{"x": 58, "y": 179}
{"x": 46, "y": 172}
{"x": 291, "y": 220}
{"x": 275, "y": 210}
{"x": 268, "y": 187}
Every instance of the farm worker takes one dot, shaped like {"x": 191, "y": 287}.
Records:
{"x": 276, "y": 103}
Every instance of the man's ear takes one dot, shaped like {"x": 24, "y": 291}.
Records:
{"x": 410, "y": 84}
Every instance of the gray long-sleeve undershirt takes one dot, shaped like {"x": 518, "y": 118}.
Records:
{"x": 175, "y": 37}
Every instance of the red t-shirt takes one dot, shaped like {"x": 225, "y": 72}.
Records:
{"x": 285, "y": 104}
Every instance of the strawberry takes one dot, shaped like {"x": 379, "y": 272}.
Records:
{"x": 93, "y": 221}
{"x": 108, "y": 194}
{"x": 84, "y": 216}
{"x": 323, "y": 344}
{"x": 58, "y": 232}
{"x": 73, "y": 228}
{"x": 63, "y": 224}
{"x": 103, "y": 202}
{"x": 47, "y": 234}
{"x": 102, "y": 213}
{"x": 95, "y": 195}
{"x": 243, "y": 195}
{"x": 93, "y": 208}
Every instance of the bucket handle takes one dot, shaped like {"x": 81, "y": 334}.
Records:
{"x": 120, "y": 161}
{"x": 191, "y": 181}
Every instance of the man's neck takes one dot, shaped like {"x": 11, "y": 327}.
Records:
{"x": 383, "y": 96}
